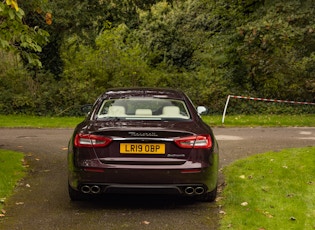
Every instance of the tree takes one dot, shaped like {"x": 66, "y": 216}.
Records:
{"x": 274, "y": 52}
{"x": 18, "y": 37}
{"x": 115, "y": 62}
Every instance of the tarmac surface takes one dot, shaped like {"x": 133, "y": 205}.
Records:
{"x": 41, "y": 199}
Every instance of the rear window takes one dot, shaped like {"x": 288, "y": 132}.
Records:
{"x": 143, "y": 108}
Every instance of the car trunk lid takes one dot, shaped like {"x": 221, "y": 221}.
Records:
{"x": 150, "y": 144}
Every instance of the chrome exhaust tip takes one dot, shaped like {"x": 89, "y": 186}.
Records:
{"x": 189, "y": 190}
{"x": 199, "y": 190}
{"x": 85, "y": 189}
{"x": 95, "y": 189}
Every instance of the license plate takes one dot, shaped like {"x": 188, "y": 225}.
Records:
{"x": 134, "y": 148}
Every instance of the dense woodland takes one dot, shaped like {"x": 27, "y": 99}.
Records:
{"x": 58, "y": 55}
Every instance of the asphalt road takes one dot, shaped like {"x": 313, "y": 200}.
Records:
{"x": 41, "y": 200}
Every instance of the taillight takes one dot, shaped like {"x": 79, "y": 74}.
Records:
{"x": 194, "y": 142}
{"x": 89, "y": 140}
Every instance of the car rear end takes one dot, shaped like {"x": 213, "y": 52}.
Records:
{"x": 143, "y": 154}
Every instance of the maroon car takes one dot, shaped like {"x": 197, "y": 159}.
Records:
{"x": 143, "y": 141}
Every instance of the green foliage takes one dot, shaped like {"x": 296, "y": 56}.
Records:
{"x": 115, "y": 63}
{"x": 273, "y": 52}
{"x": 22, "y": 91}
{"x": 209, "y": 49}
{"x": 262, "y": 120}
{"x": 18, "y": 37}
{"x": 239, "y": 106}
{"x": 85, "y": 20}
{"x": 169, "y": 34}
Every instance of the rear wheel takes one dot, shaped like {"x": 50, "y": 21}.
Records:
{"x": 208, "y": 196}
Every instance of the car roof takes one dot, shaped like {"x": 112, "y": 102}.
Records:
{"x": 144, "y": 92}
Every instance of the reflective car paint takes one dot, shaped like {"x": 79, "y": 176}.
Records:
{"x": 104, "y": 153}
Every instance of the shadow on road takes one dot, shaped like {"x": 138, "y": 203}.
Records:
{"x": 134, "y": 202}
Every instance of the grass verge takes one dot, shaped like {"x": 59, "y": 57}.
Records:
{"x": 23, "y": 121}
{"x": 11, "y": 172}
{"x": 270, "y": 191}
{"x": 305, "y": 120}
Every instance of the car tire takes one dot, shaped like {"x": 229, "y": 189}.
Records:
{"x": 209, "y": 196}
{"x": 76, "y": 195}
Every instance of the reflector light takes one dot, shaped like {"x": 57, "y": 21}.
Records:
{"x": 194, "y": 142}
{"x": 89, "y": 140}
{"x": 94, "y": 170}
{"x": 191, "y": 171}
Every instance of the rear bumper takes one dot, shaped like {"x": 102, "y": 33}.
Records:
{"x": 191, "y": 178}
{"x": 136, "y": 181}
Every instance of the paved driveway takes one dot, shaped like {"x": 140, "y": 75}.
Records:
{"x": 41, "y": 200}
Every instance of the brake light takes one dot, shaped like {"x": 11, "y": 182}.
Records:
{"x": 194, "y": 142}
{"x": 89, "y": 140}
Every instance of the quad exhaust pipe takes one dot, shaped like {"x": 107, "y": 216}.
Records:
{"x": 94, "y": 189}
{"x": 194, "y": 190}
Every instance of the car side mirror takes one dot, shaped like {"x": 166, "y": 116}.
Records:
{"x": 202, "y": 110}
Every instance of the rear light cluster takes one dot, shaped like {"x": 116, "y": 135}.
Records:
{"x": 89, "y": 140}
{"x": 195, "y": 142}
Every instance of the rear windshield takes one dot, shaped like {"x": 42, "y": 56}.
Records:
{"x": 144, "y": 109}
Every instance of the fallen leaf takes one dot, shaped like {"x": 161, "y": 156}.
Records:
{"x": 242, "y": 176}
{"x": 3, "y": 211}
{"x": 145, "y": 222}
{"x": 244, "y": 203}
{"x": 268, "y": 214}
{"x": 19, "y": 203}
{"x": 27, "y": 185}
{"x": 2, "y": 215}
{"x": 222, "y": 212}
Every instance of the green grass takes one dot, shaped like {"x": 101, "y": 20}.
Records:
{"x": 12, "y": 170}
{"x": 278, "y": 188}
{"x": 262, "y": 120}
{"x": 23, "y": 121}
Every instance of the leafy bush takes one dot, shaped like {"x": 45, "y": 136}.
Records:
{"x": 209, "y": 49}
